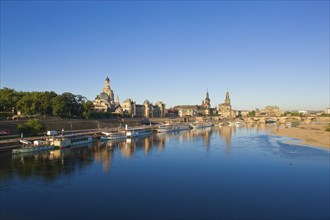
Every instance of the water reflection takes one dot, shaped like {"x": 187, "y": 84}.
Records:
{"x": 51, "y": 164}
{"x": 226, "y": 132}
{"x": 169, "y": 176}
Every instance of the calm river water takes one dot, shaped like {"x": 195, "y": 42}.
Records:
{"x": 214, "y": 173}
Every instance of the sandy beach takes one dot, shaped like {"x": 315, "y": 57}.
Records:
{"x": 310, "y": 134}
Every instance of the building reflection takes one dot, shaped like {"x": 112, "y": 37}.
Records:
{"x": 201, "y": 133}
{"x": 66, "y": 161}
{"x": 226, "y": 132}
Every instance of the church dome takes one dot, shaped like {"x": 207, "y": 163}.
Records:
{"x": 146, "y": 102}
{"x": 104, "y": 96}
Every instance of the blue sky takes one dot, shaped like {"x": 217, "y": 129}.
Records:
{"x": 265, "y": 53}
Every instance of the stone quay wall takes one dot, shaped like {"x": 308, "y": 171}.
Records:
{"x": 73, "y": 124}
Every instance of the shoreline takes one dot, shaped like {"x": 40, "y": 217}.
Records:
{"x": 309, "y": 134}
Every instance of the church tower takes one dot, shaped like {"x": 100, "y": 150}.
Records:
{"x": 225, "y": 108}
{"x": 227, "y": 101}
{"x": 117, "y": 101}
{"x": 108, "y": 91}
{"x": 207, "y": 102}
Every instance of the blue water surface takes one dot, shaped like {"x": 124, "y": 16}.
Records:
{"x": 215, "y": 173}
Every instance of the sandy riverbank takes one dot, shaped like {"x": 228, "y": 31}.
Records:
{"x": 310, "y": 134}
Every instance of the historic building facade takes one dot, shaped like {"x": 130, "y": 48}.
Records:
{"x": 205, "y": 107}
{"x": 270, "y": 111}
{"x": 186, "y": 110}
{"x": 147, "y": 109}
{"x": 105, "y": 102}
{"x": 224, "y": 109}
{"x": 196, "y": 110}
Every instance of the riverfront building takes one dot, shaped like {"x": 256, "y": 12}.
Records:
{"x": 270, "y": 111}
{"x": 195, "y": 110}
{"x": 205, "y": 107}
{"x": 105, "y": 102}
{"x": 186, "y": 110}
{"x": 147, "y": 109}
{"x": 225, "y": 109}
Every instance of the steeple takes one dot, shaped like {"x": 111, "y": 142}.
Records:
{"x": 227, "y": 101}
{"x": 117, "y": 100}
{"x": 207, "y": 101}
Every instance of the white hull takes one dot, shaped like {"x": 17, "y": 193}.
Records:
{"x": 89, "y": 140}
{"x": 31, "y": 149}
{"x": 131, "y": 134}
{"x": 113, "y": 136}
{"x": 201, "y": 125}
{"x": 172, "y": 128}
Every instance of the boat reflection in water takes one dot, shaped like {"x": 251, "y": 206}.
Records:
{"x": 155, "y": 176}
{"x": 103, "y": 151}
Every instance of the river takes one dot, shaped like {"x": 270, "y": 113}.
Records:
{"x": 214, "y": 173}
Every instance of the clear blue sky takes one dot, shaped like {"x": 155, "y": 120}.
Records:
{"x": 265, "y": 53}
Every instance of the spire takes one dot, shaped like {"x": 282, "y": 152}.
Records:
{"x": 117, "y": 100}
{"x": 207, "y": 93}
{"x": 107, "y": 79}
{"x": 227, "y": 101}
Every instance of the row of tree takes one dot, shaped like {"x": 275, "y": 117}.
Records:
{"x": 46, "y": 103}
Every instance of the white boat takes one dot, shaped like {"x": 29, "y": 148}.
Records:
{"x": 61, "y": 141}
{"x": 238, "y": 123}
{"x": 81, "y": 140}
{"x": 28, "y": 146}
{"x": 28, "y": 149}
{"x": 66, "y": 142}
{"x": 201, "y": 124}
{"x": 172, "y": 127}
{"x": 138, "y": 131}
{"x": 113, "y": 135}
{"x": 270, "y": 121}
{"x": 235, "y": 123}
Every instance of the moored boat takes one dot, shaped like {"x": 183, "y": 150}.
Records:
{"x": 62, "y": 141}
{"x": 113, "y": 135}
{"x": 81, "y": 140}
{"x": 172, "y": 127}
{"x": 235, "y": 123}
{"x": 138, "y": 131}
{"x": 201, "y": 124}
{"x": 29, "y": 147}
{"x": 270, "y": 121}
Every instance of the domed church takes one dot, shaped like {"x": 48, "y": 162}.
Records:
{"x": 105, "y": 101}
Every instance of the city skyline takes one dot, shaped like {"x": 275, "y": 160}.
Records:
{"x": 264, "y": 53}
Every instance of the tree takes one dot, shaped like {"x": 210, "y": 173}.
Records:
{"x": 86, "y": 109}
{"x": 46, "y": 102}
{"x": 25, "y": 104}
{"x": 252, "y": 114}
{"x": 58, "y": 105}
{"x": 9, "y": 98}
{"x": 32, "y": 126}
